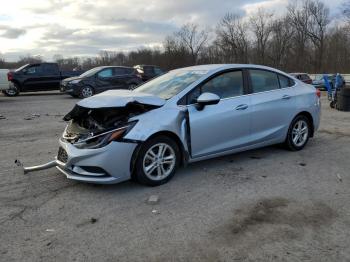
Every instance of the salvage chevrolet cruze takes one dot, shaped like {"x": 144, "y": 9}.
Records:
{"x": 186, "y": 115}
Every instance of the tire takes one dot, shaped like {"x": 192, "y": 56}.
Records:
{"x": 14, "y": 91}
{"x": 292, "y": 142}
{"x": 132, "y": 86}
{"x": 149, "y": 157}
{"x": 86, "y": 91}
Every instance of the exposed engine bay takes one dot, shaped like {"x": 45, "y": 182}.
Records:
{"x": 85, "y": 123}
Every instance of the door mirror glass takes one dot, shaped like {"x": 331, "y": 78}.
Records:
{"x": 207, "y": 99}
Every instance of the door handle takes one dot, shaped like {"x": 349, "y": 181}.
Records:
{"x": 286, "y": 97}
{"x": 242, "y": 107}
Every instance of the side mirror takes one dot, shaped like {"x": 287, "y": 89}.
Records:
{"x": 207, "y": 99}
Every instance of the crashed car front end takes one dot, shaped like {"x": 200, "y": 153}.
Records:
{"x": 93, "y": 148}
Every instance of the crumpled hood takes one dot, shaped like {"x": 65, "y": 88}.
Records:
{"x": 120, "y": 98}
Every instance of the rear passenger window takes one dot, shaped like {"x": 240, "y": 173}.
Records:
{"x": 263, "y": 81}
{"x": 285, "y": 81}
{"x": 119, "y": 71}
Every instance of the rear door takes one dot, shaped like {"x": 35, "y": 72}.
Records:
{"x": 120, "y": 78}
{"x": 224, "y": 126}
{"x": 51, "y": 76}
{"x": 273, "y": 105}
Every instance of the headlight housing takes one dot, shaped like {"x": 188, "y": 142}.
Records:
{"x": 103, "y": 139}
{"x": 75, "y": 81}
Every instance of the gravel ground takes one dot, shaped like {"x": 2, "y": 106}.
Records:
{"x": 262, "y": 205}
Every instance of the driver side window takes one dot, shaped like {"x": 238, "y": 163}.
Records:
{"x": 225, "y": 85}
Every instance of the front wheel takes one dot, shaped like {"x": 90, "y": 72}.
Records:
{"x": 86, "y": 91}
{"x": 298, "y": 133}
{"x": 157, "y": 161}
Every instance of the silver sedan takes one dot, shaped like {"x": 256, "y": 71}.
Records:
{"x": 186, "y": 115}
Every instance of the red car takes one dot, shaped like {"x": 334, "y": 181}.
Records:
{"x": 303, "y": 77}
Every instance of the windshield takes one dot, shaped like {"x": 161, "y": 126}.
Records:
{"x": 172, "y": 83}
{"x": 91, "y": 72}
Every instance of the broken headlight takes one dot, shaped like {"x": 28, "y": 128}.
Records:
{"x": 103, "y": 139}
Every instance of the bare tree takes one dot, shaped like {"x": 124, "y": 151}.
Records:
{"x": 194, "y": 39}
{"x": 310, "y": 21}
{"x": 232, "y": 38}
{"x": 281, "y": 41}
{"x": 261, "y": 27}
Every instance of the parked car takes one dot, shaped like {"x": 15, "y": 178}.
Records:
{"x": 319, "y": 83}
{"x": 4, "y": 83}
{"x": 184, "y": 116}
{"x": 100, "y": 79}
{"x": 148, "y": 72}
{"x": 37, "y": 77}
{"x": 302, "y": 77}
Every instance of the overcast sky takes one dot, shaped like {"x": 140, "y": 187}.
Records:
{"x": 84, "y": 27}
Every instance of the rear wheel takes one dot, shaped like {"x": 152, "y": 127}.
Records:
{"x": 298, "y": 133}
{"x": 13, "y": 91}
{"x": 86, "y": 91}
{"x": 157, "y": 161}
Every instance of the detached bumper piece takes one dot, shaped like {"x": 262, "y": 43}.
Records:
{"x": 25, "y": 170}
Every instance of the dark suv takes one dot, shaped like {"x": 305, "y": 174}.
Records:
{"x": 100, "y": 79}
{"x": 148, "y": 72}
{"x": 303, "y": 77}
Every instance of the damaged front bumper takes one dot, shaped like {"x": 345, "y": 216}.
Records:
{"x": 107, "y": 165}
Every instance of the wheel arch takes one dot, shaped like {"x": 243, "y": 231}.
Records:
{"x": 16, "y": 82}
{"x": 184, "y": 154}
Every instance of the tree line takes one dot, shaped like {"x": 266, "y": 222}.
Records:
{"x": 304, "y": 39}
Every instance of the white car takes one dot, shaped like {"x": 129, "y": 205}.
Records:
{"x": 4, "y": 83}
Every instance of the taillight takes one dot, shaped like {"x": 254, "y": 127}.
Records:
{"x": 318, "y": 92}
{"x": 9, "y": 76}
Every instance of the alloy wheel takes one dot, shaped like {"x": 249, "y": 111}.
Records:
{"x": 159, "y": 161}
{"x": 86, "y": 92}
{"x": 11, "y": 91}
{"x": 300, "y": 133}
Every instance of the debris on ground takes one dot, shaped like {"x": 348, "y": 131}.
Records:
{"x": 93, "y": 220}
{"x": 154, "y": 211}
{"x": 28, "y": 118}
{"x": 50, "y": 230}
{"x": 152, "y": 200}
{"x": 339, "y": 178}
{"x": 35, "y": 115}
{"x": 302, "y": 164}
{"x": 2, "y": 117}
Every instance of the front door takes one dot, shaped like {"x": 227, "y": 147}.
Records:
{"x": 224, "y": 126}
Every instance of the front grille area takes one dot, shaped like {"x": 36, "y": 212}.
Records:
{"x": 62, "y": 155}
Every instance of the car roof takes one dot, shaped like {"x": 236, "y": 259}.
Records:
{"x": 298, "y": 73}
{"x": 115, "y": 67}
{"x": 218, "y": 67}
